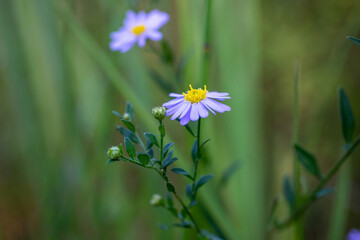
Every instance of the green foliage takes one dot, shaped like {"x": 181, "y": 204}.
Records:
{"x": 346, "y": 116}
{"x": 128, "y": 134}
{"x": 129, "y": 109}
{"x": 289, "y": 193}
{"x": 130, "y": 149}
{"x": 152, "y": 139}
{"x": 307, "y": 160}
{"x": 143, "y": 159}
{"x": 355, "y": 40}
{"x": 182, "y": 172}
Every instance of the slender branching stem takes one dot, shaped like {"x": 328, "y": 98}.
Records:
{"x": 313, "y": 196}
{"x": 165, "y": 178}
{"x": 196, "y": 162}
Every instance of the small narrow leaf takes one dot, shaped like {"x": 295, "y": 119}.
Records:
{"x": 188, "y": 128}
{"x": 143, "y": 159}
{"x": 162, "y": 226}
{"x": 152, "y": 138}
{"x": 194, "y": 151}
{"x": 346, "y": 116}
{"x": 203, "y": 144}
{"x": 168, "y": 162}
{"x": 307, "y": 160}
{"x": 151, "y": 153}
{"x": 289, "y": 193}
{"x": 113, "y": 160}
{"x": 323, "y": 192}
{"x": 166, "y": 148}
{"x": 170, "y": 187}
{"x": 202, "y": 180}
{"x": 188, "y": 190}
{"x": 128, "y": 125}
{"x": 129, "y": 109}
{"x": 182, "y": 172}
{"x": 127, "y": 133}
{"x": 169, "y": 201}
{"x": 117, "y": 114}
{"x": 353, "y": 39}
{"x": 130, "y": 149}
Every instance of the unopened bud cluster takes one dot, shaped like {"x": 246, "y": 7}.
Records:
{"x": 159, "y": 112}
{"x": 114, "y": 152}
{"x": 156, "y": 200}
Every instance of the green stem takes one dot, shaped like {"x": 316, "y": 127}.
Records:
{"x": 198, "y": 156}
{"x": 186, "y": 209}
{"x": 207, "y": 44}
{"x": 312, "y": 197}
{"x": 161, "y": 143}
{"x": 299, "y": 225}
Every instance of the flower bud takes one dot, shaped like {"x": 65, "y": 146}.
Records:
{"x": 126, "y": 116}
{"x": 157, "y": 200}
{"x": 114, "y": 152}
{"x": 159, "y": 112}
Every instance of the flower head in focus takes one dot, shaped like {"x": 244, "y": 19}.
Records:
{"x": 353, "y": 235}
{"x": 137, "y": 28}
{"x": 195, "y": 104}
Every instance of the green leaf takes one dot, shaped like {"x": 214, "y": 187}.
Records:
{"x": 209, "y": 236}
{"x": 127, "y": 133}
{"x": 346, "y": 116}
{"x": 167, "y": 148}
{"x": 182, "y": 172}
{"x": 307, "y": 160}
{"x": 117, "y": 114}
{"x": 130, "y": 149}
{"x": 323, "y": 192}
{"x": 113, "y": 160}
{"x": 188, "y": 128}
{"x": 188, "y": 190}
{"x": 202, "y": 180}
{"x": 143, "y": 159}
{"x": 168, "y": 161}
{"x": 129, "y": 109}
{"x": 170, "y": 187}
{"x": 162, "y": 226}
{"x": 152, "y": 138}
{"x": 151, "y": 153}
{"x": 229, "y": 172}
{"x": 169, "y": 201}
{"x": 353, "y": 39}
{"x": 128, "y": 125}
{"x": 162, "y": 130}
{"x": 203, "y": 144}
{"x": 194, "y": 151}
{"x": 289, "y": 193}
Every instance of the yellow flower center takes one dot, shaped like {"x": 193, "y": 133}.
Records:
{"x": 138, "y": 29}
{"x": 195, "y": 95}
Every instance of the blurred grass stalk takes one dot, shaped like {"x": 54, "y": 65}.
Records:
{"x": 341, "y": 202}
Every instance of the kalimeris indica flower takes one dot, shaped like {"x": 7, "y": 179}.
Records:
{"x": 353, "y": 235}
{"x": 195, "y": 104}
{"x": 137, "y": 28}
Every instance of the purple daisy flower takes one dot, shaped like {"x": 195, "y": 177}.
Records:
{"x": 195, "y": 104}
{"x": 137, "y": 28}
{"x": 353, "y": 235}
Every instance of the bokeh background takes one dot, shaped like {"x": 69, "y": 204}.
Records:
{"x": 60, "y": 82}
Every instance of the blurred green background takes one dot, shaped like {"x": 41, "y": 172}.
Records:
{"x": 60, "y": 82}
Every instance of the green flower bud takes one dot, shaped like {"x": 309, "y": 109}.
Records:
{"x": 126, "y": 116}
{"x": 159, "y": 112}
{"x": 157, "y": 200}
{"x": 114, "y": 152}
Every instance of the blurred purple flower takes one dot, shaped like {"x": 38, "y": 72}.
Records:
{"x": 353, "y": 235}
{"x": 137, "y": 28}
{"x": 195, "y": 104}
